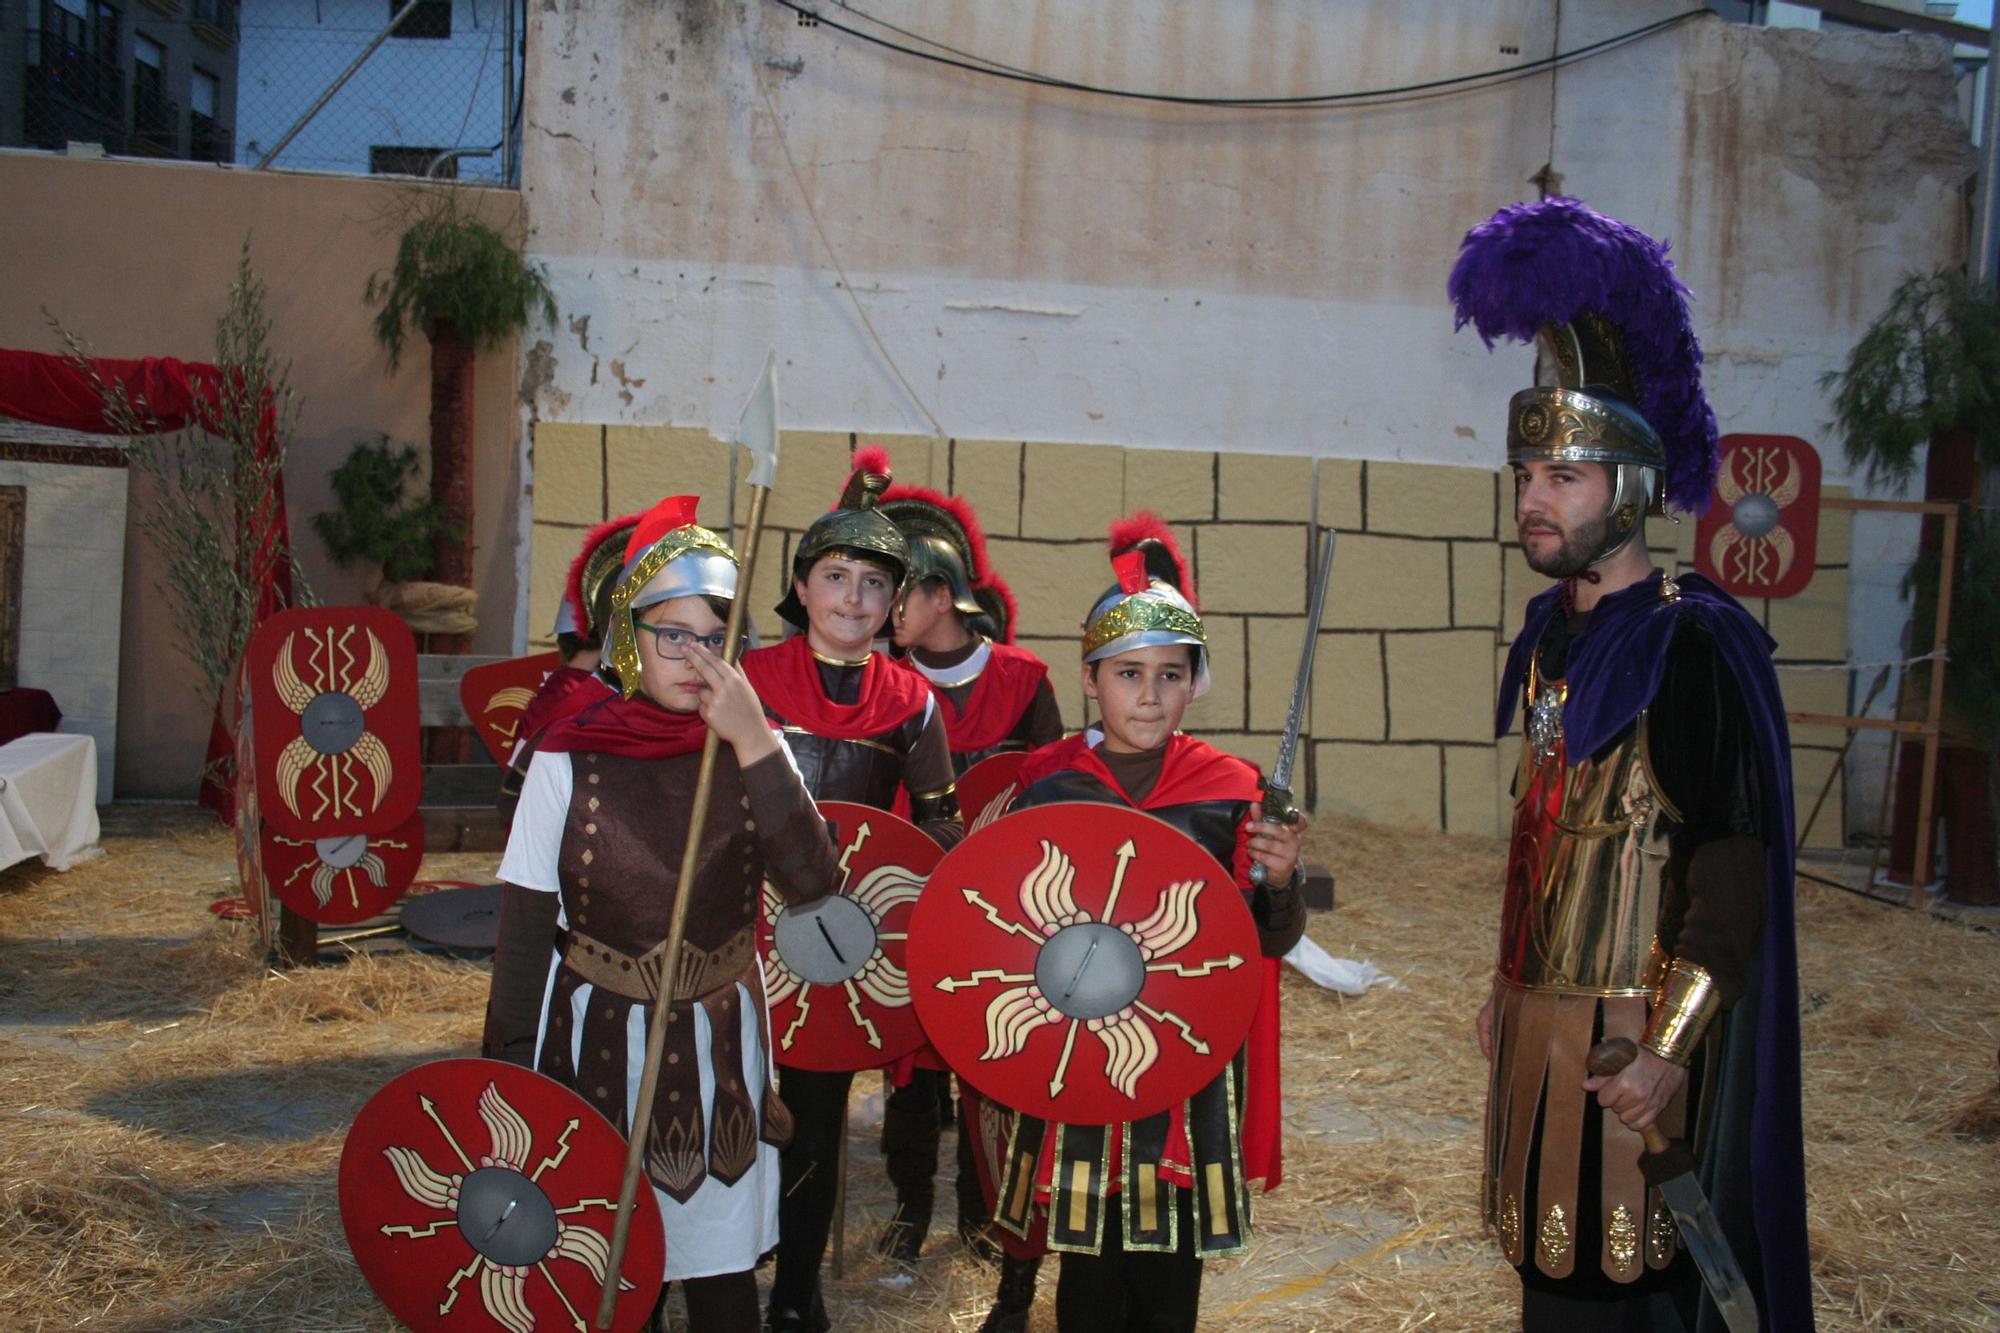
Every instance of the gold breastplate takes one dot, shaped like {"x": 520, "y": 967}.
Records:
{"x": 1584, "y": 873}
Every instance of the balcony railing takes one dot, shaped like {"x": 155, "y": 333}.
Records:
{"x": 78, "y": 63}
{"x": 156, "y": 124}
{"x": 214, "y": 21}
{"x": 207, "y": 140}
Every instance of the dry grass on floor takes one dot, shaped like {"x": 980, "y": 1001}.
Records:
{"x": 171, "y": 1112}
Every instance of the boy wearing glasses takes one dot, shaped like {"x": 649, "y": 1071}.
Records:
{"x": 862, "y": 729}
{"x": 592, "y": 863}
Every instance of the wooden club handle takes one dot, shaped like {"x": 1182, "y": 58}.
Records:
{"x": 1609, "y": 1057}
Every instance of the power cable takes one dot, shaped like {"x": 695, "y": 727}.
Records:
{"x": 1403, "y": 92}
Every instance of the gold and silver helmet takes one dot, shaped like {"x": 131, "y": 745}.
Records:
{"x": 669, "y": 555}
{"x": 854, "y": 525}
{"x": 1617, "y": 366}
{"x": 1152, "y": 604}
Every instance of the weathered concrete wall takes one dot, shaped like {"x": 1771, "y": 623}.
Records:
{"x": 1058, "y": 270}
{"x": 138, "y": 258}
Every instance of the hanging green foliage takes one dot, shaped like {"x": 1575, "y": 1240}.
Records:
{"x": 453, "y": 269}
{"x": 1929, "y": 364}
{"x": 377, "y": 521}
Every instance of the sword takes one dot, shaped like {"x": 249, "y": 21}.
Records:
{"x": 1279, "y": 803}
{"x": 1669, "y": 1168}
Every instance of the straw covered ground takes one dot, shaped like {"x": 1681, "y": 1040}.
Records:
{"x": 171, "y": 1112}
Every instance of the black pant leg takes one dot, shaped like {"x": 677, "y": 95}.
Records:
{"x": 726, "y": 1303}
{"x": 808, "y": 1179}
{"x": 1546, "y": 1311}
{"x": 910, "y": 1132}
{"x": 1131, "y": 1291}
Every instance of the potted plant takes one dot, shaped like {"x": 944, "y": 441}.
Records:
{"x": 465, "y": 288}
{"x": 377, "y": 521}
{"x": 1926, "y": 374}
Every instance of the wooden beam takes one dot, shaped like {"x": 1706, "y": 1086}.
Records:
{"x": 1883, "y": 18}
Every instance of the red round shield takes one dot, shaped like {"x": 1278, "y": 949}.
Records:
{"x": 334, "y": 693}
{"x": 834, "y": 969}
{"x": 1084, "y": 963}
{"x": 495, "y": 696}
{"x": 481, "y": 1195}
{"x": 985, "y": 789}
{"x": 1760, "y": 535}
{"x": 345, "y": 878}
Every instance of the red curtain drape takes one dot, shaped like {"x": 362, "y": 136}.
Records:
{"x": 166, "y": 395}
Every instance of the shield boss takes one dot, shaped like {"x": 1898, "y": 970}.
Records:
{"x": 506, "y": 1217}
{"x": 825, "y": 942}
{"x": 1090, "y": 969}
{"x": 332, "y": 722}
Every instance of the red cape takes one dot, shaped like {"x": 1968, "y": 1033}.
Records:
{"x": 563, "y": 693}
{"x": 635, "y": 728}
{"x": 786, "y": 678}
{"x": 1193, "y": 771}
{"x": 999, "y": 697}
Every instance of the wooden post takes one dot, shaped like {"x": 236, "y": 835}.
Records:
{"x": 1920, "y": 864}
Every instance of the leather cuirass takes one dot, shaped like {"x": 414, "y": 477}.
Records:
{"x": 1586, "y": 867}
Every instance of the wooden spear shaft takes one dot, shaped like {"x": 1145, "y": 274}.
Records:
{"x": 663, "y": 1006}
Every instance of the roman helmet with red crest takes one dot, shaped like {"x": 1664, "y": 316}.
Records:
{"x": 1153, "y": 602}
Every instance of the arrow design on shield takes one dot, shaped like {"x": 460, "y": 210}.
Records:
{"x": 562, "y": 1150}
{"x": 865, "y": 1023}
{"x": 1229, "y": 964}
{"x": 1199, "y": 1046}
{"x": 576, "y": 1318}
{"x": 951, "y": 984}
{"x": 805, "y": 1012}
{"x": 1125, "y": 855}
{"x": 847, "y": 857}
{"x": 415, "y": 1233}
{"x": 1062, "y": 1066}
{"x": 430, "y": 1109}
{"x": 993, "y": 914}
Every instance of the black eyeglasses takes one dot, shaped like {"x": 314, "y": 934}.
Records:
{"x": 671, "y": 642}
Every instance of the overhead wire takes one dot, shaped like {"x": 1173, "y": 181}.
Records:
{"x": 975, "y": 64}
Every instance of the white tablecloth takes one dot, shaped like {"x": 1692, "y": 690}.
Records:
{"x": 48, "y": 797}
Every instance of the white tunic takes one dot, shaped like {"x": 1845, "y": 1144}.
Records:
{"x": 721, "y": 1228}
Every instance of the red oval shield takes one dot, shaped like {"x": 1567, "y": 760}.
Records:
{"x": 834, "y": 970}
{"x": 1084, "y": 963}
{"x": 497, "y": 694}
{"x": 985, "y": 789}
{"x": 334, "y": 694}
{"x": 346, "y": 877}
{"x": 1760, "y": 535}
{"x": 481, "y": 1195}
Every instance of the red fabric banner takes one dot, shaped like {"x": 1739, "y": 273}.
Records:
{"x": 166, "y": 395}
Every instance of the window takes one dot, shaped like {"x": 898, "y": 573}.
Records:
{"x": 155, "y": 120}
{"x": 402, "y": 160}
{"x": 432, "y": 18}
{"x": 207, "y": 141}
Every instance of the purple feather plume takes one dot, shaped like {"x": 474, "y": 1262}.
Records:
{"x": 1550, "y": 261}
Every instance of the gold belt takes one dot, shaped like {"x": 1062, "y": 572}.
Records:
{"x": 701, "y": 972}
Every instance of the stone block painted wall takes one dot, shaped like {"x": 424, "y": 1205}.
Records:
{"x": 1427, "y": 588}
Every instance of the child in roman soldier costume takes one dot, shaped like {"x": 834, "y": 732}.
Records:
{"x": 594, "y": 855}
{"x": 1649, "y": 883}
{"x": 580, "y": 621}
{"x": 1145, "y": 660}
{"x": 954, "y": 625}
{"x": 863, "y": 730}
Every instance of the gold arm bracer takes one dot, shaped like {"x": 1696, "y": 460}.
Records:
{"x": 1686, "y": 1002}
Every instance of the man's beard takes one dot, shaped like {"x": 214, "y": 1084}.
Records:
{"x": 1570, "y": 558}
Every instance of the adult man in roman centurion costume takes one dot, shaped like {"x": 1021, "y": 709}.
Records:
{"x": 1649, "y": 882}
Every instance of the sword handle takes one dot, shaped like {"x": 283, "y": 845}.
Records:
{"x": 1278, "y": 807}
{"x": 1609, "y": 1057}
